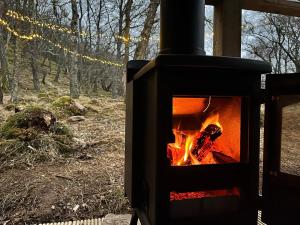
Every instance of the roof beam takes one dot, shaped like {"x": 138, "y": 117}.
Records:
{"x": 284, "y": 7}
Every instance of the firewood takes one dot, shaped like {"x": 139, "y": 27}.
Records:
{"x": 222, "y": 158}
{"x": 205, "y": 140}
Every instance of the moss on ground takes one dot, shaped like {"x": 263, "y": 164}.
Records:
{"x": 65, "y": 105}
{"x": 31, "y": 136}
{"x": 27, "y": 124}
{"x": 63, "y": 101}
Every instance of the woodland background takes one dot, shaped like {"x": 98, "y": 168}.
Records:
{"x": 90, "y": 41}
{"x": 62, "y": 87}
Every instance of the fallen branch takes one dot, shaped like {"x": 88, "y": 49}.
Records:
{"x": 64, "y": 177}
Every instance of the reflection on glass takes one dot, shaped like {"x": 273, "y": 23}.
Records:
{"x": 290, "y": 139}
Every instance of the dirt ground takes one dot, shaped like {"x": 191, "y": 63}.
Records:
{"x": 89, "y": 182}
{"x": 85, "y": 184}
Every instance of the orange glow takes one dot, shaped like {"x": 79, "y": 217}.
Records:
{"x": 183, "y": 106}
{"x": 174, "y": 196}
{"x": 216, "y": 136}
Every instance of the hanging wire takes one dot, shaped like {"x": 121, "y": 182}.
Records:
{"x": 209, "y": 100}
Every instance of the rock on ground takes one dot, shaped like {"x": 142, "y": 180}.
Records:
{"x": 76, "y": 118}
{"x": 120, "y": 219}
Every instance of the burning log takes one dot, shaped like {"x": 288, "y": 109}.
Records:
{"x": 190, "y": 148}
{"x": 204, "y": 141}
{"x": 222, "y": 158}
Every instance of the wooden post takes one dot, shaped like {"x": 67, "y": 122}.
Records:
{"x": 227, "y": 28}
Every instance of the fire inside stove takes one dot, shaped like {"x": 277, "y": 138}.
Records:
{"x": 207, "y": 131}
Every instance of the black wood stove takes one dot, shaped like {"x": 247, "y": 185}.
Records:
{"x": 193, "y": 132}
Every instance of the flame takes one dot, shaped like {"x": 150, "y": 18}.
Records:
{"x": 185, "y": 141}
{"x": 216, "y": 139}
{"x": 188, "y": 147}
{"x": 214, "y": 119}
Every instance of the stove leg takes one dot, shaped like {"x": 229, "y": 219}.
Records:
{"x": 134, "y": 218}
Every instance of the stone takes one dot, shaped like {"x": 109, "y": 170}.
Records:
{"x": 76, "y": 118}
{"x": 113, "y": 219}
{"x": 80, "y": 107}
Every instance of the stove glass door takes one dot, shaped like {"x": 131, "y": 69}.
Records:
{"x": 207, "y": 130}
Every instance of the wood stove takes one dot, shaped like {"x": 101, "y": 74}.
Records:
{"x": 193, "y": 129}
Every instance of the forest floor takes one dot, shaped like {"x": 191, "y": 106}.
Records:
{"x": 85, "y": 183}
{"x": 88, "y": 181}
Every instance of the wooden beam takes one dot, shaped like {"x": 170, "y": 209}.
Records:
{"x": 284, "y": 7}
{"x": 227, "y": 28}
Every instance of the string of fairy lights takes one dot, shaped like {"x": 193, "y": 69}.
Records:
{"x": 18, "y": 16}
{"x": 33, "y": 36}
{"x": 15, "y": 33}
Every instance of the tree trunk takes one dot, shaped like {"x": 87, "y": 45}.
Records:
{"x": 44, "y": 76}
{"x": 14, "y": 78}
{"x": 128, "y": 7}
{"x": 60, "y": 60}
{"x": 74, "y": 84}
{"x": 88, "y": 5}
{"x": 33, "y": 50}
{"x": 120, "y": 28}
{"x": 54, "y": 8}
{"x": 50, "y": 66}
{"x": 57, "y": 72}
{"x": 34, "y": 68}
{"x": 141, "y": 49}
{"x": 3, "y": 60}
{"x": 98, "y": 22}
{"x": 80, "y": 38}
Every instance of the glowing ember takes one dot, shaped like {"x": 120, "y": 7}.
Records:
{"x": 201, "y": 194}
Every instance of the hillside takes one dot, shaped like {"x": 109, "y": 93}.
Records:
{"x": 43, "y": 181}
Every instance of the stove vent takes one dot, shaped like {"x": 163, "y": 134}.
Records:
{"x": 182, "y": 27}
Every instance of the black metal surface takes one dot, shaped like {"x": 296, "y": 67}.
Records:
{"x": 206, "y": 63}
{"x": 182, "y": 27}
{"x": 133, "y": 67}
{"x": 181, "y": 69}
{"x": 150, "y": 129}
{"x": 135, "y": 117}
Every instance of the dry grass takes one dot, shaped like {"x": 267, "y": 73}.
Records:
{"x": 44, "y": 186}
{"x": 290, "y": 141}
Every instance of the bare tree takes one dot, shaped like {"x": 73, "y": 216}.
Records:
{"x": 141, "y": 48}
{"x": 128, "y": 8}
{"x": 109, "y": 25}
{"x": 276, "y": 39}
{"x": 120, "y": 27}
{"x": 3, "y": 60}
{"x": 34, "y": 48}
{"x": 98, "y": 22}
{"x": 74, "y": 85}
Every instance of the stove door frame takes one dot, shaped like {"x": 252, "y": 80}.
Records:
{"x": 281, "y": 191}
